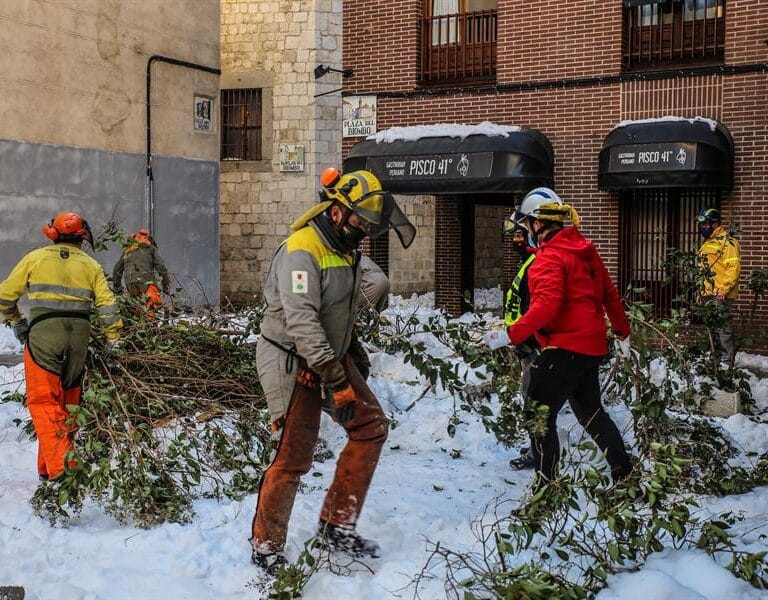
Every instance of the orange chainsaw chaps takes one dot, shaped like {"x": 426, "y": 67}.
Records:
{"x": 366, "y": 431}
{"x": 47, "y": 400}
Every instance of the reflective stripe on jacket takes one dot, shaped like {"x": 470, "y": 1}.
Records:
{"x": 311, "y": 292}
{"x": 722, "y": 253}
{"x": 60, "y": 277}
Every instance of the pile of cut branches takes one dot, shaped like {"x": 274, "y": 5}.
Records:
{"x": 176, "y": 415}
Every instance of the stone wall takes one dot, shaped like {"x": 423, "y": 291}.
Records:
{"x": 275, "y": 45}
{"x": 489, "y": 248}
{"x": 413, "y": 270}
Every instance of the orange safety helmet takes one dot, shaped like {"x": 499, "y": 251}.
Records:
{"x": 68, "y": 226}
{"x": 142, "y": 237}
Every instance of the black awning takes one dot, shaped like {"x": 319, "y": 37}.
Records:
{"x": 667, "y": 154}
{"x": 477, "y": 164}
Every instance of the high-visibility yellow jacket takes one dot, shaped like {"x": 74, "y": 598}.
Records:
{"x": 513, "y": 305}
{"x": 60, "y": 278}
{"x": 721, "y": 252}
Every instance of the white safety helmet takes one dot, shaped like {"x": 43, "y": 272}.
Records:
{"x": 533, "y": 200}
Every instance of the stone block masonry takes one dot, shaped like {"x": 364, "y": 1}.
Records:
{"x": 274, "y": 46}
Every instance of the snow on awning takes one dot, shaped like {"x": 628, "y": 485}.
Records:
{"x": 670, "y": 152}
{"x": 456, "y": 159}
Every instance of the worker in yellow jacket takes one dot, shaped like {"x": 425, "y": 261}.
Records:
{"x": 721, "y": 258}
{"x": 62, "y": 284}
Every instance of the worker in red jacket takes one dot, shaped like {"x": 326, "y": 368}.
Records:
{"x": 571, "y": 292}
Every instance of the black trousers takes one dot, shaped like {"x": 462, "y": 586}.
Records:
{"x": 556, "y": 376}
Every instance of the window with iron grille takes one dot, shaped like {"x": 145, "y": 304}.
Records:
{"x": 662, "y": 34}
{"x": 241, "y": 124}
{"x": 652, "y": 222}
{"x": 458, "y": 41}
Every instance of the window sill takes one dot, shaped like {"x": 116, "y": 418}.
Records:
{"x": 452, "y": 83}
{"x": 670, "y": 65}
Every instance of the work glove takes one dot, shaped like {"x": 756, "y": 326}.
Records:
{"x": 344, "y": 400}
{"x": 332, "y": 374}
{"x": 623, "y": 347}
{"x": 496, "y": 338}
{"x": 525, "y": 350}
{"x": 21, "y": 330}
{"x": 336, "y": 383}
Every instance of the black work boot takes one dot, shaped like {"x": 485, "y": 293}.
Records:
{"x": 270, "y": 562}
{"x": 524, "y": 461}
{"x": 624, "y": 471}
{"x": 341, "y": 538}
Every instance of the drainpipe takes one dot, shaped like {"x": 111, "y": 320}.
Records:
{"x": 149, "y": 189}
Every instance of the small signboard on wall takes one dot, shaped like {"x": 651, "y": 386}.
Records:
{"x": 203, "y": 107}
{"x": 359, "y": 116}
{"x": 292, "y": 158}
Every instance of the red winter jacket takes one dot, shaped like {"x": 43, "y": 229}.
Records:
{"x": 570, "y": 293}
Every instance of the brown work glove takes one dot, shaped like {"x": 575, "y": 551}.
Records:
{"x": 344, "y": 401}
{"x": 336, "y": 383}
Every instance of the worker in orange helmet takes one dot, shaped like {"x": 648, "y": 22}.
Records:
{"x": 63, "y": 285}
{"x": 139, "y": 262}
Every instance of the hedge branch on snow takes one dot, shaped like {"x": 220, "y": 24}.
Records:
{"x": 568, "y": 537}
{"x": 178, "y": 415}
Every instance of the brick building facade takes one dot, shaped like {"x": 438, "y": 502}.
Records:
{"x": 573, "y": 71}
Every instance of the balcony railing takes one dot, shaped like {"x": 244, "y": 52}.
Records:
{"x": 677, "y": 36}
{"x": 459, "y": 47}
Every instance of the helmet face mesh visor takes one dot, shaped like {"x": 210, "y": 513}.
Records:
{"x": 369, "y": 207}
{"x": 88, "y": 233}
{"x": 394, "y": 218}
{"x": 519, "y": 218}
{"x": 511, "y": 226}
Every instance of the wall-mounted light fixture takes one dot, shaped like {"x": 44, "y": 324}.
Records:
{"x": 321, "y": 70}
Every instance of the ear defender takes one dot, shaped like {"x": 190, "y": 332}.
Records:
{"x": 50, "y": 232}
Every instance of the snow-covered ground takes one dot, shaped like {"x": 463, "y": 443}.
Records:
{"x": 428, "y": 487}
{"x": 8, "y": 343}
